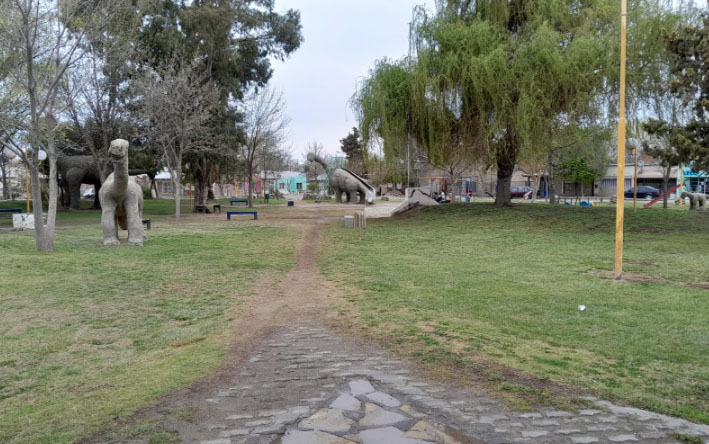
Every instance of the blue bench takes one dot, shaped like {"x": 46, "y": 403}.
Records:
{"x": 229, "y": 213}
{"x": 231, "y": 202}
{"x": 11, "y": 210}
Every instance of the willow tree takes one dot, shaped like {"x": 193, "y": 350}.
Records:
{"x": 492, "y": 77}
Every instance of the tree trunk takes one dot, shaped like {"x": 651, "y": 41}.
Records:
{"x": 250, "y": 192}
{"x": 535, "y": 184}
{"x": 665, "y": 185}
{"x": 44, "y": 239}
{"x": 200, "y": 174}
{"x": 550, "y": 179}
{"x": 176, "y": 174}
{"x": 5, "y": 189}
{"x": 505, "y": 168}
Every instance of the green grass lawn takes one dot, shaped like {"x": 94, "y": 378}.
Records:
{"x": 90, "y": 333}
{"x": 468, "y": 283}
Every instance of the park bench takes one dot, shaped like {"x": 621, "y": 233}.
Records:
{"x": 146, "y": 222}
{"x": 233, "y": 201}
{"x": 229, "y": 213}
{"x": 11, "y": 210}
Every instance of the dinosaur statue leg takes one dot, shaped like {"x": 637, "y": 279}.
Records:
{"x": 362, "y": 196}
{"x": 338, "y": 195}
{"x": 108, "y": 223}
{"x": 75, "y": 195}
{"x": 132, "y": 207}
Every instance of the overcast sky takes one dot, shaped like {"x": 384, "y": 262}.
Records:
{"x": 343, "y": 38}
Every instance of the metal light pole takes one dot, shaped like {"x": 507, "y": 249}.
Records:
{"x": 620, "y": 180}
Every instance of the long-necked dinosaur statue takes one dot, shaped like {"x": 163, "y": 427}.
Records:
{"x": 121, "y": 200}
{"x": 345, "y": 181}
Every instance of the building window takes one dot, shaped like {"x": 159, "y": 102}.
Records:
{"x": 167, "y": 187}
{"x": 299, "y": 186}
{"x": 281, "y": 186}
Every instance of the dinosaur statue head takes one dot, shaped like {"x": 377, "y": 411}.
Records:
{"x": 118, "y": 151}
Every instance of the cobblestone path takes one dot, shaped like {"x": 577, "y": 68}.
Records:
{"x": 305, "y": 384}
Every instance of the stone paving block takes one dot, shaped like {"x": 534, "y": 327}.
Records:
{"x": 622, "y": 438}
{"x": 235, "y": 432}
{"x": 384, "y": 399}
{"x": 534, "y": 433}
{"x": 217, "y": 441}
{"x": 360, "y": 387}
{"x": 584, "y": 439}
{"x": 327, "y": 420}
{"x": 387, "y": 435}
{"x": 269, "y": 429}
{"x": 412, "y": 411}
{"x": 346, "y": 402}
{"x": 312, "y": 437}
{"x": 377, "y": 416}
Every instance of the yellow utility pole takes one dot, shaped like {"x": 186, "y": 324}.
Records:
{"x": 620, "y": 180}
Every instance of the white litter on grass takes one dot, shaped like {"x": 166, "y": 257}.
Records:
{"x": 582, "y": 307}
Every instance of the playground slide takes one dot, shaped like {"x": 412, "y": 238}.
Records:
{"x": 414, "y": 197}
{"x": 371, "y": 192}
{"x": 657, "y": 199}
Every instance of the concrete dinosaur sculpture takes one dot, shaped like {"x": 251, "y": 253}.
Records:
{"x": 121, "y": 200}
{"x": 73, "y": 171}
{"x": 345, "y": 181}
{"x": 697, "y": 201}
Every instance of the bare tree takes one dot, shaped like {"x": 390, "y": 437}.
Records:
{"x": 92, "y": 93}
{"x": 175, "y": 103}
{"x": 265, "y": 124}
{"x": 37, "y": 51}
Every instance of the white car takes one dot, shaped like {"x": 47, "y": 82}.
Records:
{"x": 89, "y": 194}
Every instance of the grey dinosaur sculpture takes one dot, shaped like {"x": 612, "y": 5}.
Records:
{"x": 121, "y": 200}
{"x": 73, "y": 171}
{"x": 345, "y": 181}
{"x": 697, "y": 201}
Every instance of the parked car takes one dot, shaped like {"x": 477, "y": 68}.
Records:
{"x": 89, "y": 194}
{"x": 644, "y": 192}
{"x": 518, "y": 192}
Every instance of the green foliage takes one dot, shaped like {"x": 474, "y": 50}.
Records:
{"x": 576, "y": 171}
{"x": 690, "y": 66}
{"x": 500, "y": 80}
{"x": 490, "y": 77}
{"x": 667, "y": 143}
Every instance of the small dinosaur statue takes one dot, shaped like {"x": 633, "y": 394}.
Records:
{"x": 121, "y": 200}
{"x": 697, "y": 201}
{"x": 345, "y": 181}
